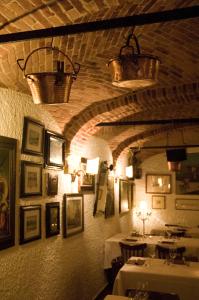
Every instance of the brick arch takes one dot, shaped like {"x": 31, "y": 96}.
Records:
{"x": 82, "y": 126}
{"x": 124, "y": 145}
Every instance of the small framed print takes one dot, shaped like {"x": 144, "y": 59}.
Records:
{"x": 124, "y": 201}
{"x": 31, "y": 179}
{"x": 158, "y": 184}
{"x": 52, "y": 219}
{"x": 52, "y": 184}
{"x": 87, "y": 180}
{"x": 30, "y": 223}
{"x": 158, "y": 202}
{"x": 55, "y": 149}
{"x": 73, "y": 214}
{"x": 33, "y": 137}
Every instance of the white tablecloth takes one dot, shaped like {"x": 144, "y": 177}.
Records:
{"x": 112, "y": 248}
{"x": 179, "y": 279}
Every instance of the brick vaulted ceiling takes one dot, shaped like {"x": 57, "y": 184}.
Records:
{"x": 93, "y": 98}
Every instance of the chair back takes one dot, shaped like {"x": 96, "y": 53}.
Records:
{"x": 129, "y": 250}
{"x": 163, "y": 251}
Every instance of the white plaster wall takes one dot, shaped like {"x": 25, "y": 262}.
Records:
{"x": 157, "y": 164}
{"x": 53, "y": 268}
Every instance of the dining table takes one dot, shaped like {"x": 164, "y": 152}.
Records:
{"x": 112, "y": 247}
{"x": 159, "y": 276}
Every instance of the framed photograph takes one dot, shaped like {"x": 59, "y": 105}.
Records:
{"x": 124, "y": 204}
{"x": 33, "y": 137}
{"x": 8, "y": 148}
{"x": 87, "y": 180}
{"x": 101, "y": 191}
{"x": 130, "y": 192}
{"x": 31, "y": 179}
{"x": 54, "y": 150}
{"x": 52, "y": 184}
{"x": 158, "y": 184}
{"x": 52, "y": 219}
{"x": 73, "y": 214}
{"x": 158, "y": 202}
{"x": 188, "y": 177}
{"x": 110, "y": 199}
{"x": 30, "y": 223}
{"x": 187, "y": 204}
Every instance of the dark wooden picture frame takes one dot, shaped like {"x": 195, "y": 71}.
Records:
{"x": 54, "y": 150}
{"x": 87, "y": 180}
{"x": 52, "y": 219}
{"x": 31, "y": 179}
{"x": 33, "y": 137}
{"x": 130, "y": 192}
{"x": 30, "y": 223}
{"x": 73, "y": 214}
{"x": 124, "y": 203}
{"x": 158, "y": 183}
{"x": 8, "y": 147}
{"x": 110, "y": 198}
{"x": 52, "y": 184}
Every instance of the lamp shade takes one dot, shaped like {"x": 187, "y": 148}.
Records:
{"x": 174, "y": 158}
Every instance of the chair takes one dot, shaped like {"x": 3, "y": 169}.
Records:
{"x": 128, "y": 250}
{"x": 163, "y": 251}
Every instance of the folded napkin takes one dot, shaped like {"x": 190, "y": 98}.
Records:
{"x": 167, "y": 242}
{"x": 137, "y": 262}
{"x": 130, "y": 240}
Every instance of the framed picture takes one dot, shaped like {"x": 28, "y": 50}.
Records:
{"x": 31, "y": 179}
{"x": 8, "y": 148}
{"x": 110, "y": 199}
{"x": 158, "y": 202}
{"x": 124, "y": 204}
{"x": 73, "y": 214}
{"x": 52, "y": 184}
{"x": 54, "y": 150}
{"x": 187, "y": 204}
{"x": 188, "y": 177}
{"x": 101, "y": 192}
{"x": 87, "y": 180}
{"x": 30, "y": 223}
{"x": 158, "y": 184}
{"x": 130, "y": 193}
{"x": 52, "y": 219}
{"x": 33, "y": 137}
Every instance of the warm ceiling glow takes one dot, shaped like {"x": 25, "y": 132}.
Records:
{"x": 92, "y": 166}
{"x": 129, "y": 171}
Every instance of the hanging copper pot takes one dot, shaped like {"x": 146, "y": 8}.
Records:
{"x": 51, "y": 87}
{"x": 134, "y": 70}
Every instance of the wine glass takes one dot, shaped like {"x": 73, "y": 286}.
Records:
{"x": 172, "y": 254}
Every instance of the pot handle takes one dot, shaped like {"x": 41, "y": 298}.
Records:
{"x": 127, "y": 45}
{"x": 75, "y": 66}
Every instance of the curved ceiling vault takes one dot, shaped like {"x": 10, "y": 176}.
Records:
{"x": 93, "y": 98}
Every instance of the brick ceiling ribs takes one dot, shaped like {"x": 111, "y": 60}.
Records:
{"x": 93, "y": 98}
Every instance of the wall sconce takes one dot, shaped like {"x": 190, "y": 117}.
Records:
{"x": 129, "y": 172}
{"x": 71, "y": 167}
{"x": 143, "y": 213}
{"x": 92, "y": 166}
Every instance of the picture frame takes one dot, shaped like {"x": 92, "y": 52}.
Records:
{"x": 33, "y": 137}
{"x": 101, "y": 191}
{"x": 8, "y": 149}
{"x": 110, "y": 198}
{"x": 54, "y": 150}
{"x": 52, "y": 219}
{"x": 130, "y": 192}
{"x": 158, "y": 202}
{"x": 30, "y": 223}
{"x": 188, "y": 177}
{"x": 73, "y": 214}
{"x": 87, "y": 181}
{"x": 187, "y": 204}
{"x": 124, "y": 205}
{"x": 52, "y": 184}
{"x": 158, "y": 183}
{"x": 31, "y": 179}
